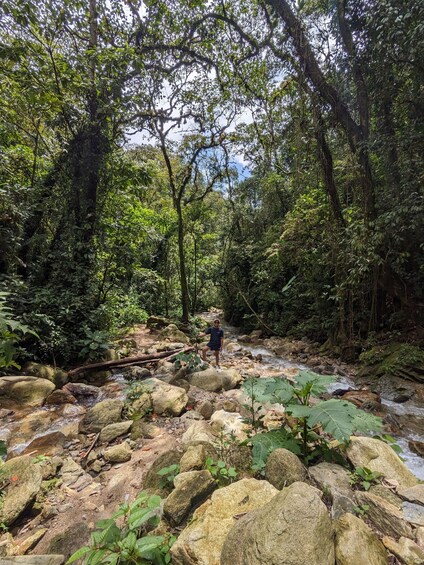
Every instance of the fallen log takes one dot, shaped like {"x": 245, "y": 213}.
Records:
{"x": 140, "y": 359}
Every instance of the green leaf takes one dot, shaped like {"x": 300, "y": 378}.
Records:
{"x": 78, "y": 554}
{"x": 265, "y": 443}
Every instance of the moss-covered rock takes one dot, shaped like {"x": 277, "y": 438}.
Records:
{"x": 398, "y": 359}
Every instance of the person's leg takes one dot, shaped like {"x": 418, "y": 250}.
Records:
{"x": 216, "y": 351}
{"x": 204, "y": 351}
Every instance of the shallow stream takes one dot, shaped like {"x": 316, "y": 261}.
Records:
{"x": 410, "y": 414}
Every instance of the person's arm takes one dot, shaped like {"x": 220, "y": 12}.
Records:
{"x": 222, "y": 340}
{"x": 206, "y": 332}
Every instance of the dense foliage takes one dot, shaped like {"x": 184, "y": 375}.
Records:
{"x": 322, "y": 100}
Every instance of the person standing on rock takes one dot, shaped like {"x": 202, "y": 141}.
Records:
{"x": 216, "y": 341}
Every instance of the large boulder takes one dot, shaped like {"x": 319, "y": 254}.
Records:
{"x": 53, "y": 374}
{"x": 335, "y": 481}
{"x": 166, "y": 398}
{"x": 284, "y": 468}
{"x": 202, "y": 540}
{"x": 215, "y": 380}
{"x": 172, "y": 333}
{"x": 100, "y": 415}
{"x": 293, "y": 528}
{"x": 31, "y": 391}
{"x": 25, "y": 477}
{"x": 378, "y": 456}
{"x": 191, "y": 489}
{"x": 357, "y": 544}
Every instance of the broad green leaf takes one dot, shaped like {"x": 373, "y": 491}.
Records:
{"x": 78, "y": 554}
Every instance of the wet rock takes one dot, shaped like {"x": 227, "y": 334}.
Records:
{"x": 135, "y": 373}
{"x": 31, "y": 391}
{"x": 100, "y": 415}
{"x": 82, "y": 392}
{"x": 191, "y": 489}
{"x": 356, "y": 543}
{"x": 49, "y": 445}
{"x": 60, "y": 397}
{"x": 405, "y": 550}
{"x": 417, "y": 447}
{"x": 202, "y": 540}
{"x": 294, "y": 522}
{"x": 361, "y": 397}
{"x": 393, "y": 388}
{"x": 284, "y": 468}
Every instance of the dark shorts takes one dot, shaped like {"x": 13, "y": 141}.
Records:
{"x": 214, "y": 346}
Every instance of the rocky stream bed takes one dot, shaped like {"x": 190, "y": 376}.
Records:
{"x": 75, "y": 453}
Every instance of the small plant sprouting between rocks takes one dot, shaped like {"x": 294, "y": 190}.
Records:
{"x": 168, "y": 475}
{"x": 312, "y": 425}
{"x": 222, "y": 474}
{"x": 135, "y": 391}
{"x": 128, "y": 543}
{"x": 191, "y": 360}
{"x": 364, "y": 477}
{"x": 362, "y": 510}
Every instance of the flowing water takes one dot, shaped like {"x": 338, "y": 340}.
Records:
{"x": 19, "y": 429}
{"x": 410, "y": 414}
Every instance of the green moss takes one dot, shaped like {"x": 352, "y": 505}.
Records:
{"x": 398, "y": 359}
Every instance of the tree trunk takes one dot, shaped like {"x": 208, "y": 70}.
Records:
{"x": 185, "y": 301}
{"x": 331, "y": 96}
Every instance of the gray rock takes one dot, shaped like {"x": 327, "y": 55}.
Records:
{"x": 284, "y": 468}
{"x": 100, "y": 415}
{"x": 191, "y": 489}
{"x": 357, "y": 544}
{"x": 413, "y": 494}
{"x": 112, "y": 431}
{"x": 414, "y": 513}
{"x": 292, "y": 528}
